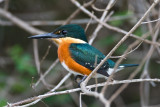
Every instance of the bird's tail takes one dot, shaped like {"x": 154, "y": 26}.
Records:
{"x": 122, "y": 66}
{"x": 128, "y": 65}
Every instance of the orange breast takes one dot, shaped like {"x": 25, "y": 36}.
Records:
{"x": 65, "y": 56}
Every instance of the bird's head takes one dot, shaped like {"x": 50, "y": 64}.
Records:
{"x": 70, "y": 32}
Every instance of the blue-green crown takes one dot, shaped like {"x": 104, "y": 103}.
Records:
{"x": 71, "y": 30}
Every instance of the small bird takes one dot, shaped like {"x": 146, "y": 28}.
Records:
{"x": 76, "y": 55}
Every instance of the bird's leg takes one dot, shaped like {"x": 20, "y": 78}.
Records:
{"x": 78, "y": 78}
{"x": 84, "y": 77}
{"x": 111, "y": 80}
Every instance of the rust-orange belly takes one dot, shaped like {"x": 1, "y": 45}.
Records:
{"x": 65, "y": 57}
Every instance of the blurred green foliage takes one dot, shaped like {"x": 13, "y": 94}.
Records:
{"x": 3, "y": 102}
{"x": 18, "y": 88}
{"x": 3, "y": 76}
{"x": 121, "y": 49}
{"x": 21, "y": 60}
{"x": 138, "y": 31}
{"x": 58, "y": 100}
{"x": 109, "y": 41}
{"x": 106, "y": 40}
{"x": 120, "y": 14}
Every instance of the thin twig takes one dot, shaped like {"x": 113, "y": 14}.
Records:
{"x": 55, "y": 88}
{"x": 45, "y": 55}
{"x": 36, "y": 55}
{"x": 102, "y": 19}
{"x": 97, "y": 9}
{"x": 6, "y": 5}
{"x": 88, "y": 23}
{"x": 94, "y": 34}
{"x": 151, "y": 21}
{"x": 123, "y": 56}
{"x": 61, "y": 82}
{"x": 76, "y": 12}
{"x": 20, "y": 22}
{"x": 80, "y": 99}
{"x": 47, "y": 71}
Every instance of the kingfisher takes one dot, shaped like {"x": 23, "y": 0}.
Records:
{"x": 76, "y": 55}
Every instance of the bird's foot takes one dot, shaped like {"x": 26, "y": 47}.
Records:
{"x": 79, "y": 83}
{"x": 78, "y": 78}
{"x": 111, "y": 80}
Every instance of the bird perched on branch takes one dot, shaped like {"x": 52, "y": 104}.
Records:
{"x": 76, "y": 55}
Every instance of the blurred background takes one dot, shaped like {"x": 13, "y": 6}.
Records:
{"x": 17, "y": 65}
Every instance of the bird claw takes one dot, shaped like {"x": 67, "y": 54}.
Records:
{"x": 79, "y": 83}
{"x": 78, "y": 78}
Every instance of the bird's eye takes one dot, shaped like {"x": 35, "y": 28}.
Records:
{"x": 64, "y": 32}
{"x": 57, "y": 32}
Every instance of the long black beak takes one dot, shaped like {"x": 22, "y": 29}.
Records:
{"x": 45, "y": 36}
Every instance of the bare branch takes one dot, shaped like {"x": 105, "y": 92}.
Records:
{"x": 20, "y": 23}
{"x": 47, "y": 71}
{"x": 77, "y": 11}
{"x": 151, "y": 21}
{"x": 123, "y": 56}
{"x": 102, "y": 19}
{"x": 45, "y": 55}
{"x": 6, "y": 5}
{"x": 78, "y": 89}
{"x": 36, "y": 55}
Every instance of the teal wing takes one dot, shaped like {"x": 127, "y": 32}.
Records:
{"x": 85, "y": 55}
